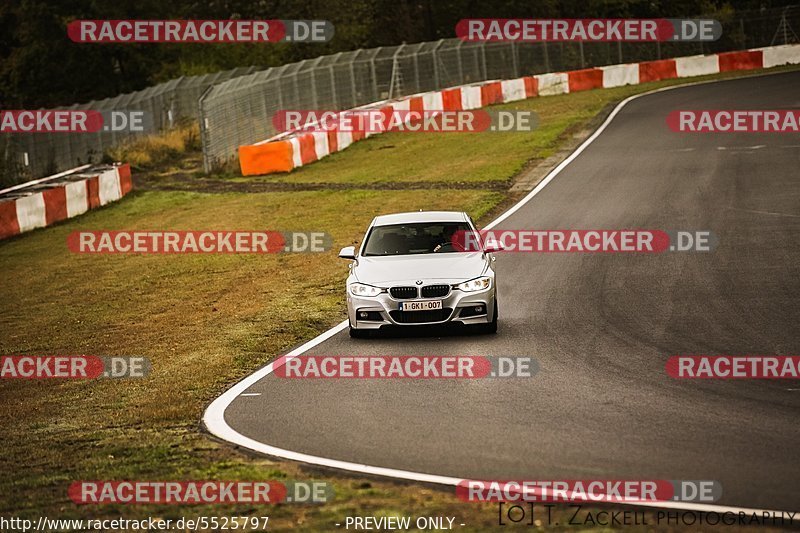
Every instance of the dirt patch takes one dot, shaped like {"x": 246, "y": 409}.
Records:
{"x": 187, "y": 182}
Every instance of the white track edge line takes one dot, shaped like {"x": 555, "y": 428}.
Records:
{"x": 214, "y": 416}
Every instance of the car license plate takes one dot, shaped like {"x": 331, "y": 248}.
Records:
{"x": 427, "y": 305}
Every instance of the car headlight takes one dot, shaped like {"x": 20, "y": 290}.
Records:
{"x": 477, "y": 284}
{"x": 359, "y": 289}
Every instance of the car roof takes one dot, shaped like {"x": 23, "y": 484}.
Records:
{"x": 420, "y": 216}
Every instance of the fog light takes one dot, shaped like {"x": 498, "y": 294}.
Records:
{"x": 473, "y": 310}
{"x": 363, "y": 314}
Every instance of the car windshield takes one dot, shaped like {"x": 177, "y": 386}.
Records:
{"x": 414, "y": 239}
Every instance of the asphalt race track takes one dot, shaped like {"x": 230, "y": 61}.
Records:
{"x": 602, "y": 327}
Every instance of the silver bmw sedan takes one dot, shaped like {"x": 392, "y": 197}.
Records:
{"x": 421, "y": 268}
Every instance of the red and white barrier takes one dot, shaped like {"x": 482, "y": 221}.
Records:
{"x": 470, "y": 97}
{"x": 44, "y": 204}
{"x": 696, "y": 66}
{"x": 662, "y": 69}
{"x": 619, "y": 75}
{"x": 77, "y": 198}
{"x": 289, "y": 151}
{"x": 775, "y": 56}
{"x": 513, "y": 90}
{"x": 551, "y": 84}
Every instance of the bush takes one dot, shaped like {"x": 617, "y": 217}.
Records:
{"x": 153, "y": 150}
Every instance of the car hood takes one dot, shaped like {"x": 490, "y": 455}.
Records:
{"x": 445, "y": 268}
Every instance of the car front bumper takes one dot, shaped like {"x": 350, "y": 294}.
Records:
{"x": 467, "y": 308}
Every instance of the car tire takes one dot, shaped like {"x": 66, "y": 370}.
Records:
{"x": 492, "y": 327}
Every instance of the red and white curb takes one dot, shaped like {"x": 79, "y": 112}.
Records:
{"x": 45, "y": 201}
{"x": 288, "y": 151}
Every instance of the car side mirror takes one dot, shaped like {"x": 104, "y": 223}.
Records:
{"x": 493, "y": 245}
{"x": 348, "y": 252}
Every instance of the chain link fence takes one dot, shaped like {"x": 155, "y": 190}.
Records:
{"x": 236, "y": 107}
{"x": 25, "y": 156}
{"x": 240, "y": 111}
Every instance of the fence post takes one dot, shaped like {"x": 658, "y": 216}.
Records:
{"x": 741, "y": 30}
{"x": 546, "y": 57}
{"x": 294, "y": 78}
{"x": 435, "y": 58}
{"x": 394, "y": 69}
{"x": 514, "y": 59}
{"x": 416, "y": 69}
{"x": 279, "y": 75}
{"x": 172, "y": 113}
{"x": 204, "y": 140}
{"x": 334, "y": 96}
{"x": 375, "y": 93}
{"x": 265, "y": 104}
{"x": 485, "y": 74}
{"x": 461, "y": 79}
{"x": 313, "y": 74}
{"x": 353, "y": 92}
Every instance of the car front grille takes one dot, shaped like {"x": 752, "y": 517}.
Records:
{"x": 403, "y": 293}
{"x": 435, "y": 291}
{"x": 421, "y": 317}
